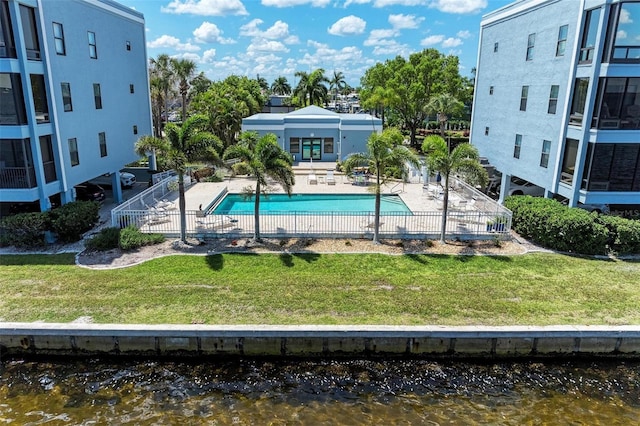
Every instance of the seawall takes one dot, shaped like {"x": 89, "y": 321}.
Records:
{"x": 24, "y": 339}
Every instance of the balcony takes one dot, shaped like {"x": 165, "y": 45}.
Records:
{"x": 17, "y": 178}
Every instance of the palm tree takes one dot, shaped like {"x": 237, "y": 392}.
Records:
{"x": 316, "y": 87}
{"x": 262, "y": 157}
{"x": 183, "y": 70}
{"x": 384, "y": 153}
{"x": 444, "y": 105}
{"x": 263, "y": 83}
{"x": 337, "y": 83}
{"x": 281, "y": 86}
{"x": 183, "y": 144}
{"x": 160, "y": 68}
{"x": 463, "y": 159}
{"x": 301, "y": 89}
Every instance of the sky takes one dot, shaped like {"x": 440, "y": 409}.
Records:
{"x": 271, "y": 38}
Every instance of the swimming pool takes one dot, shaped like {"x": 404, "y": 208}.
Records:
{"x": 315, "y": 203}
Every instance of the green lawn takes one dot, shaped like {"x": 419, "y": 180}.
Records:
{"x": 536, "y": 289}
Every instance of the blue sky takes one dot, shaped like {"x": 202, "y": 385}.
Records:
{"x": 279, "y": 37}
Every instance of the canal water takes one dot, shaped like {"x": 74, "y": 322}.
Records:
{"x": 319, "y": 392}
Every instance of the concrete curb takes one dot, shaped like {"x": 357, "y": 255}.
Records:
{"x": 23, "y": 339}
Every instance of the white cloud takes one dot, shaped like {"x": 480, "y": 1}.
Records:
{"x": 377, "y": 37}
{"x": 262, "y": 45}
{"x": 400, "y": 21}
{"x": 459, "y": 6}
{"x": 350, "y": 2}
{"x": 329, "y": 58}
{"x": 392, "y": 48}
{"x": 451, "y": 42}
{"x": 625, "y": 17}
{"x": 432, "y": 40}
{"x": 279, "y": 31}
{"x": 348, "y": 25}
{"x": 621, "y": 35}
{"x": 385, "y": 3}
{"x": 190, "y": 56}
{"x": 208, "y": 55}
{"x": 210, "y": 33}
{"x": 206, "y": 7}
{"x": 464, "y": 34}
{"x": 290, "y": 3}
{"x": 167, "y": 41}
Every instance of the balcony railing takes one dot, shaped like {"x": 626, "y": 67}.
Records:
{"x": 18, "y": 177}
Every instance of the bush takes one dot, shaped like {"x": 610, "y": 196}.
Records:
{"x": 624, "y": 234}
{"x": 131, "y": 238}
{"x": 549, "y": 223}
{"x": 72, "y": 220}
{"x": 24, "y": 230}
{"x": 107, "y": 239}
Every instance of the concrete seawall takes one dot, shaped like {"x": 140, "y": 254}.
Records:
{"x": 21, "y": 339}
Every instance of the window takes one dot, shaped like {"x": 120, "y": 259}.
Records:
{"x": 128, "y": 43}
{"x": 58, "y": 38}
{"x": 7, "y": 44}
{"x": 294, "y": 145}
{"x": 612, "y": 167}
{"x": 579, "y": 99}
{"x": 73, "y": 152}
{"x": 517, "y": 146}
{"x": 524, "y": 94}
{"x": 48, "y": 163}
{"x": 623, "y": 29}
{"x": 12, "y": 100}
{"x": 544, "y": 157}
{"x": 102, "y": 139}
{"x": 135, "y": 130}
{"x": 569, "y": 161}
{"x": 618, "y": 104}
{"x": 39, "y": 98}
{"x": 328, "y": 145}
{"x": 131, "y": 88}
{"x": 491, "y": 90}
{"x": 553, "y": 99}
{"x": 486, "y": 131}
{"x": 97, "y": 96}
{"x": 93, "y": 51}
{"x": 66, "y": 96}
{"x": 30, "y": 32}
{"x": 495, "y": 47}
{"x": 589, "y": 36}
{"x": 562, "y": 40}
{"x": 531, "y": 41}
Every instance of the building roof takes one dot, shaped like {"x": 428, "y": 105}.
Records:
{"x": 312, "y": 113}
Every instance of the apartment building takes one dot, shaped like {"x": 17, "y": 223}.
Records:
{"x": 557, "y": 98}
{"x": 74, "y": 96}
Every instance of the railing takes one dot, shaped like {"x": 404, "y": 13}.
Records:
{"x": 17, "y": 177}
{"x": 137, "y": 206}
{"x": 460, "y": 224}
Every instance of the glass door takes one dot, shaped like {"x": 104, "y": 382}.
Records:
{"x": 311, "y": 149}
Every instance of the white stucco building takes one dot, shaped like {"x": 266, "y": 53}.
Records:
{"x": 316, "y": 134}
{"x": 74, "y": 96}
{"x": 557, "y": 98}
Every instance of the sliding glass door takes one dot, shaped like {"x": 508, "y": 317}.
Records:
{"x": 311, "y": 149}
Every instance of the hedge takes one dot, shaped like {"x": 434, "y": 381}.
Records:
{"x": 553, "y": 225}
{"x": 72, "y": 220}
{"x": 24, "y": 230}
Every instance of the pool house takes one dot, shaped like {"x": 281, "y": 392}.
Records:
{"x": 316, "y": 134}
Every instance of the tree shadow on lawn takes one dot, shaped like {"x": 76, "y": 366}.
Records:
{"x": 463, "y": 258}
{"x": 287, "y": 258}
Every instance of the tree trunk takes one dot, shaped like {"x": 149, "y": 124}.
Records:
{"x": 184, "y": 106}
{"x": 445, "y": 208}
{"x": 256, "y": 213}
{"x": 182, "y": 205}
{"x": 376, "y": 220}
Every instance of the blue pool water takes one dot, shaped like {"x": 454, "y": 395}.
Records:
{"x": 281, "y": 203}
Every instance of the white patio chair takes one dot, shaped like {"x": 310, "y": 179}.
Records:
{"x": 331, "y": 180}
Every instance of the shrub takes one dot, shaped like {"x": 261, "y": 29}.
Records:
{"x": 624, "y": 234}
{"x": 24, "y": 230}
{"x": 555, "y": 226}
{"x": 106, "y": 239}
{"x": 131, "y": 238}
{"x": 72, "y": 220}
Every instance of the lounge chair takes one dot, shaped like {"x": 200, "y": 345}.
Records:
{"x": 331, "y": 180}
{"x": 217, "y": 223}
{"x": 156, "y": 216}
{"x": 312, "y": 179}
{"x": 165, "y": 204}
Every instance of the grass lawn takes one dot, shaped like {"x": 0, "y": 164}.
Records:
{"x": 535, "y": 289}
